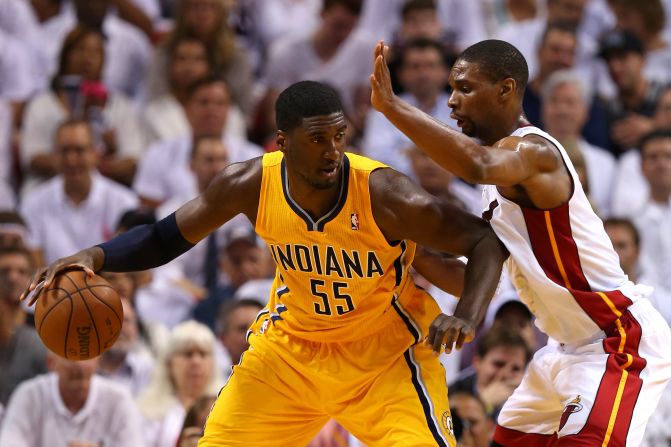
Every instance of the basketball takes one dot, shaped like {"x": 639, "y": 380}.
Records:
{"x": 78, "y": 317}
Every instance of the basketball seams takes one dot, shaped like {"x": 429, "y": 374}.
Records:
{"x": 67, "y": 295}
{"x": 90, "y": 289}
{"x": 81, "y": 295}
{"x": 67, "y": 329}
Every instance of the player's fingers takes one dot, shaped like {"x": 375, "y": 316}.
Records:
{"x": 385, "y": 52}
{"x": 450, "y": 338}
{"x": 432, "y": 333}
{"x": 460, "y": 340}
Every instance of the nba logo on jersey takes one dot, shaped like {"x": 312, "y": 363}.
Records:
{"x": 572, "y": 407}
{"x": 447, "y": 422}
{"x": 354, "y": 220}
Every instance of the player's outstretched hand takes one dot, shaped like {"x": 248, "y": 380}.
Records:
{"x": 446, "y": 330}
{"x": 83, "y": 260}
{"x": 381, "y": 95}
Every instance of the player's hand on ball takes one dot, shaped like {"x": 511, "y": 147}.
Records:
{"x": 381, "y": 95}
{"x": 446, "y": 330}
{"x": 83, "y": 260}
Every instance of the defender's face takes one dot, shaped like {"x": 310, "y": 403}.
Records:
{"x": 474, "y": 98}
{"x": 315, "y": 149}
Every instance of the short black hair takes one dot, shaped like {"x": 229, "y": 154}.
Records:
{"x": 498, "y": 60}
{"x": 305, "y": 99}
{"x": 628, "y": 224}
{"x": 206, "y": 81}
{"x": 231, "y": 306}
{"x": 504, "y": 336}
{"x": 423, "y": 43}
{"x": 657, "y": 134}
{"x": 353, "y": 6}
{"x": 417, "y": 5}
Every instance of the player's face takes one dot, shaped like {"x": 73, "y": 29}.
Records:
{"x": 474, "y": 99}
{"x": 315, "y": 149}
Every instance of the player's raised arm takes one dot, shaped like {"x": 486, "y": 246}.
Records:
{"x": 505, "y": 162}
{"x": 235, "y": 190}
{"x": 403, "y": 210}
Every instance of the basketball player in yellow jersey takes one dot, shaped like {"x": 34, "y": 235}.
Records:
{"x": 342, "y": 335}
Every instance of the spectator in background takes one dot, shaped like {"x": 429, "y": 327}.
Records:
{"x": 646, "y": 19}
{"x": 22, "y": 354}
{"x": 235, "y": 318}
{"x": 207, "y": 21}
{"x": 629, "y": 113}
{"x": 652, "y": 219}
{"x": 184, "y": 373}
{"x": 423, "y": 73}
{"x": 79, "y": 205}
{"x": 245, "y": 257}
{"x": 335, "y": 54}
{"x": 472, "y": 427}
{"x": 128, "y": 362}
{"x": 78, "y": 92}
{"x": 631, "y": 188}
{"x": 627, "y": 243}
{"x": 13, "y": 231}
{"x": 207, "y": 110}
{"x": 192, "y": 428}
{"x": 502, "y": 356}
{"x": 565, "y": 110}
{"x": 442, "y": 183}
{"x": 71, "y": 406}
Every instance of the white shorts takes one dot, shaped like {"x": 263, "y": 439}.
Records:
{"x": 596, "y": 394}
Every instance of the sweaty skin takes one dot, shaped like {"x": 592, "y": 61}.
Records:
{"x": 314, "y": 153}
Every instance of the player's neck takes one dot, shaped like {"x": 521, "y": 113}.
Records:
{"x": 315, "y": 201}
{"x": 503, "y": 128}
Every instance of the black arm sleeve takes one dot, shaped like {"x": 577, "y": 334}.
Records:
{"x": 145, "y": 247}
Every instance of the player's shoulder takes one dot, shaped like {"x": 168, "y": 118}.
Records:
{"x": 362, "y": 163}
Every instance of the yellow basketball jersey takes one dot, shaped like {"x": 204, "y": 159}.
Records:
{"x": 337, "y": 277}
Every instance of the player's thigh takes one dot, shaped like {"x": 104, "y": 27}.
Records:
{"x": 256, "y": 407}
{"x": 406, "y": 405}
{"x": 530, "y": 416}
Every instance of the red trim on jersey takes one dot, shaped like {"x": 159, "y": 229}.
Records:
{"x": 608, "y": 409}
{"x": 512, "y": 438}
{"x": 557, "y": 253}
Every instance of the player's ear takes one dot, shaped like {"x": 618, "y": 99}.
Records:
{"x": 508, "y": 87}
{"x": 281, "y": 141}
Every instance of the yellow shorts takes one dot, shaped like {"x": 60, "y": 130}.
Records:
{"x": 387, "y": 389}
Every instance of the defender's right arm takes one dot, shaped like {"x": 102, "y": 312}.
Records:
{"x": 235, "y": 190}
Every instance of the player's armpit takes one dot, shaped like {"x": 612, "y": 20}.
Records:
{"x": 234, "y": 191}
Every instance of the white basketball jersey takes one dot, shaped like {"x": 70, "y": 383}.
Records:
{"x": 561, "y": 260}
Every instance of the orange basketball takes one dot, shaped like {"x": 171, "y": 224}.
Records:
{"x": 78, "y": 317}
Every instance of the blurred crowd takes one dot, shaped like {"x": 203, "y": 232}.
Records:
{"x": 115, "y": 112}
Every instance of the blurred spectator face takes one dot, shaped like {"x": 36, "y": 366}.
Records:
{"x": 77, "y": 155}
{"x": 501, "y": 363}
{"x": 207, "y": 109}
{"x": 202, "y": 16}
{"x": 513, "y": 316}
{"x": 74, "y": 377}
{"x": 626, "y": 70}
{"x": 86, "y": 57}
{"x": 564, "y": 111}
{"x": 662, "y": 115}
{"x": 570, "y": 11}
{"x": 337, "y": 24}
{"x": 430, "y": 175}
{"x": 423, "y": 72}
{"x": 421, "y": 23}
{"x": 244, "y": 260}
{"x": 209, "y": 159}
{"x": 16, "y": 269}
{"x": 92, "y": 12}
{"x": 629, "y": 19}
{"x": 191, "y": 369}
{"x": 130, "y": 333}
{"x": 625, "y": 246}
{"x": 121, "y": 282}
{"x": 189, "y": 63}
{"x": 234, "y": 337}
{"x": 556, "y": 52}
{"x": 656, "y": 164}
{"x": 477, "y": 427}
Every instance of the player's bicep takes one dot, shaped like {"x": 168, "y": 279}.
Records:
{"x": 514, "y": 160}
{"x": 235, "y": 190}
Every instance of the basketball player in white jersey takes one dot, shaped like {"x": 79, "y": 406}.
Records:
{"x": 601, "y": 381}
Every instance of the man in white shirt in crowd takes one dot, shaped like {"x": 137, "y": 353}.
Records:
{"x": 423, "y": 74}
{"x": 79, "y": 204}
{"x": 207, "y": 109}
{"x": 627, "y": 243}
{"x": 128, "y": 362}
{"x": 71, "y": 406}
{"x": 652, "y": 219}
{"x": 565, "y": 107}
